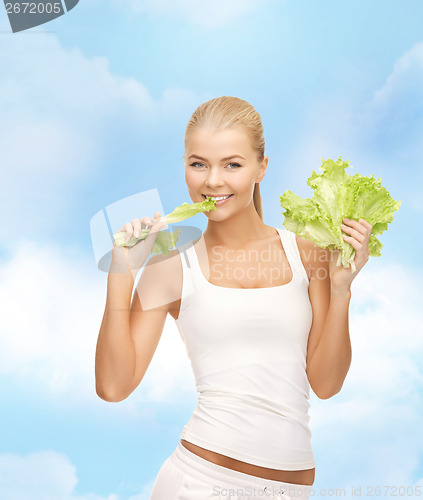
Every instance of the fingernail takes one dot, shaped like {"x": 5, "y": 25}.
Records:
{"x": 137, "y": 234}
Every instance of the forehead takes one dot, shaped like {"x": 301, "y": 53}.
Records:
{"x": 219, "y": 143}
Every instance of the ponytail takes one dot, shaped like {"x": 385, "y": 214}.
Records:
{"x": 257, "y": 200}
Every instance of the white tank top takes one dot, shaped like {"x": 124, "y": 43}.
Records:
{"x": 248, "y": 349}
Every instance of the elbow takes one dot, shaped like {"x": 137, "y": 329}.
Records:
{"x": 325, "y": 390}
{"x": 110, "y": 396}
{"x": 321, "y": 394}
{"x": 325, "y": 395}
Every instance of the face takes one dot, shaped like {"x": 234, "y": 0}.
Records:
{"x": 222, "y": 163}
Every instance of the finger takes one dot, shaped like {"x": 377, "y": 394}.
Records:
{"x": 146, "y": 221}
{"x": 136, "y": 223}
{"x": 355, "y": 225}
{"x": 158, "y": 226}
{"x": 159, "y": 221}
{"x": 157, "y": 216}
{"x": 367, "y": 224}
{"x": 129, "y": 231}
{"x": 353, "y": 242}
{"x": 358, "y": 235}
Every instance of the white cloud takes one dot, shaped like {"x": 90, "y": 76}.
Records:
{"x": 42, "y": 475}
{"x": 327, "y": 132}
{"x": 382, "y": 133}
{"x": 378, "y": 411}
{"x": 65, "y": 94}
{"x": 52, "y": 305}
{"x": 146, "y": 491}
{"x": 48, "y": 475}
{"x": 206, "y": 14}
{"x": 55, "y": 105}
{"x": 61, "y": 112}
{"x": 394, "y": 115}
{"x": 404, "y": 85}
{"x": 52, "y": 308}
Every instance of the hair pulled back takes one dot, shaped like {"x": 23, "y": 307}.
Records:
{"x": 227, "y": 112}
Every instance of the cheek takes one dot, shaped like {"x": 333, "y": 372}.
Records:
{"x": 191, "y": 180}
{"x": 243, "y": 186}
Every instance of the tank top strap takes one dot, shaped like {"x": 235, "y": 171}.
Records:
{"x": 191, "y": 277}
{"x": 292, "y": 252}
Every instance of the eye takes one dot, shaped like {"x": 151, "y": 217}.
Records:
{"x": 237, "y": 165}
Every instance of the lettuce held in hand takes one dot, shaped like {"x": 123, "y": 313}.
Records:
{"x": 165, "y": 241}
{"x": 338, "y": 195}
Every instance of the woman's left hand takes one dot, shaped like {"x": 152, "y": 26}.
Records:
{"x": 358, "y": 234}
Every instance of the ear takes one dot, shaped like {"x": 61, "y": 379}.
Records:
{"x": 262, "y": 169}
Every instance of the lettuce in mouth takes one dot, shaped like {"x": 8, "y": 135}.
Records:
{"x": 338, "y": 195}
{"x": 166, "y": 241}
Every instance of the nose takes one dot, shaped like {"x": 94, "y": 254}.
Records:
{"x": 214, "y": 178}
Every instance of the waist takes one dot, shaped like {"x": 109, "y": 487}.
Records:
{"x": 297, "y": 477}
{"x": 250, "y": 434}
{"x": 248, "y": 411}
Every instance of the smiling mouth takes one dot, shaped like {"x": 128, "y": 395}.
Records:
{"x": 228, "y": 196}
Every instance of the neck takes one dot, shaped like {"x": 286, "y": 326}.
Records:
{"x": 239, "y": 230}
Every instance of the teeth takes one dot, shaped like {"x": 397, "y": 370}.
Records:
{"x": 220, "y": 197}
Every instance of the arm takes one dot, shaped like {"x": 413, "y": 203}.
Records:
{"x": 130, "y": 333}
{"x": 329, "y": 348}
{"x": 329, "y": 362}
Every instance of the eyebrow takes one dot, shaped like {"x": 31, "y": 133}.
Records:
{"x": 223, "y": 159}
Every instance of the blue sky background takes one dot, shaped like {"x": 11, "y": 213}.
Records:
{"x": 93, "y": 109}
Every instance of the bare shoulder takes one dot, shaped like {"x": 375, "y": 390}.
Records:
{"x": 162, "y": 259}
{"x": 160, "y": 281}
{"x": 312, "y": 256}
{"x": 168, "y": 267}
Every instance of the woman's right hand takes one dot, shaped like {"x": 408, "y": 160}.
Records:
{"x": 131, "y": 259}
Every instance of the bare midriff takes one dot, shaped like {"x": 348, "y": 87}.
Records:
{"x": 305, "y": 476}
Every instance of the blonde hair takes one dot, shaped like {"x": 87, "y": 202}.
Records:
{"x": 226, "y": 112}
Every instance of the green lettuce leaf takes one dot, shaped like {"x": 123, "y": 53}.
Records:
{"x": 337, "y": 195}
{"x": 166, "y": 241}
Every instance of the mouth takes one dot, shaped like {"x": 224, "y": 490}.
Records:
{"x": 222, "y": 196}
{"x": 220, "y": 200}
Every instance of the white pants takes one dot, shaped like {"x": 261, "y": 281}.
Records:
{"x": 186, "y": 476}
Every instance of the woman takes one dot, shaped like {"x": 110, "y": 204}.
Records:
{"x": 263, "y": 314}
